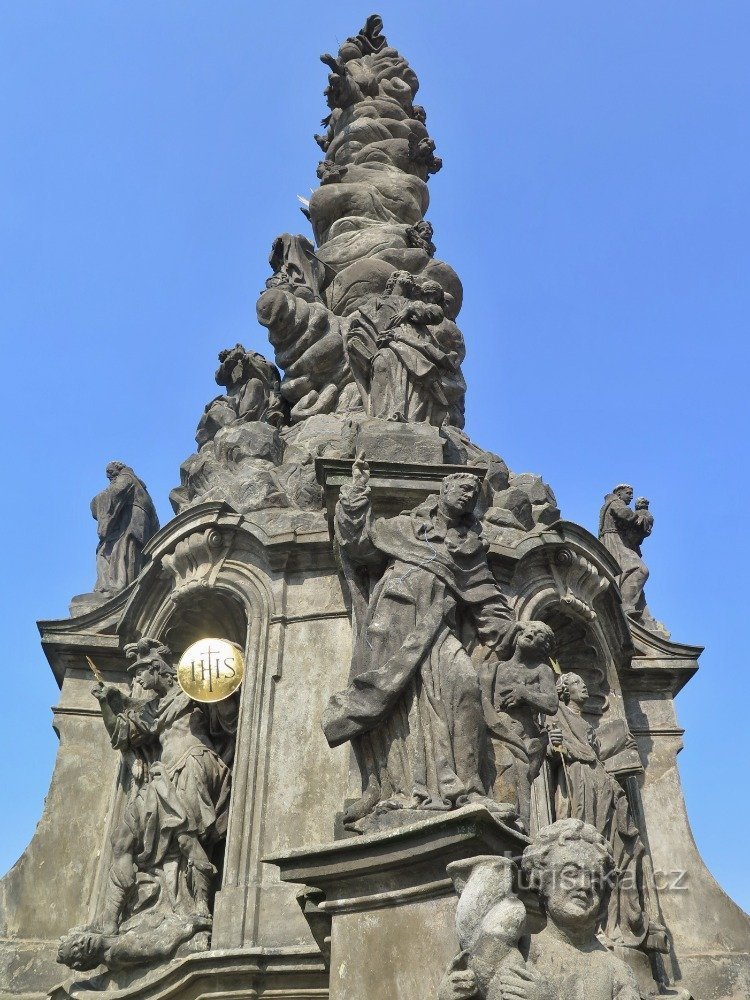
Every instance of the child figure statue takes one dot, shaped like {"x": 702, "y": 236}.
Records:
{"x": 518, "y": 684}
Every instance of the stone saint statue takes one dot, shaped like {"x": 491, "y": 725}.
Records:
{"x": 583, "y": 789}
{"x": 161, "y": 878}
{"x": 518, "y": 684}
{"x": 125, "y": 520}
{"x": 253, "y": 393}
{"x": 621, "y": 531}
{"x": 413, "y": 708}
{"x": 403, "y": 369}
{"x": 570, "y": 865}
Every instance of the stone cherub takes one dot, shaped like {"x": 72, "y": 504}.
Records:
{"x": 570, "y": 864}
{"x": 518, "y": 685}
{"x": 175, "y": 814}
{"x": 125, "y": 520}
{"x": 583, "y": 789}
{"x": 413, "y": 708}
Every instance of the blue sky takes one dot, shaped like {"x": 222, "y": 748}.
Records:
{"x": 594, "y": 200}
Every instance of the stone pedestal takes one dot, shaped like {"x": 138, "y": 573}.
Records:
{"x": 81, "y": 604}
{"x": 387, "y": 903}
{"x": 391, "y": 441}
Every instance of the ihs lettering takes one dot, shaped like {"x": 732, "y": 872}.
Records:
{"x": 212, "y": 662}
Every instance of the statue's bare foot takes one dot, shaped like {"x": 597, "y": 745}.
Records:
{"x": 363, "y": 806}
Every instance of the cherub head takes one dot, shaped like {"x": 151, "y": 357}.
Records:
{"x": 570, "y": 864}
{"x": 432, "y": 291}
{"x": 420, "y": 236}
{"x": 400, "y": 283}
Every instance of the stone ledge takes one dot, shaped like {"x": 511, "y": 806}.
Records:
{"x": 400, "y": 865}
{"x": 395, "y": 486}
{"x": 294, "y": 973}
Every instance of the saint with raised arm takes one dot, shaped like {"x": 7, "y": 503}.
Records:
{"x": 413, "y": 708}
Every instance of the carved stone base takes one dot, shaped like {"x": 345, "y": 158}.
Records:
{"x": 391, "y": 441}
{"x": 640, "y": 965}
{"x": 393, "y": 819}
{"x": 293, "y": 973}
{"x": 389, "y": 903}
{"x": 81, "y": 604}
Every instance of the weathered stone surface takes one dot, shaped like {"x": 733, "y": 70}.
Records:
{"x": 125, "y": 520}
{"x": 405, "y": 354}
{"x": 621, "y": 531}
{"x": 412, "y": 684}
{"x": 386, "y": 441}
{"x": 383, "y": 890}
{"x": 570, "y": 863}
{"x": 584, "y": 788}
{"x": 457, "y": 618}
{"x": 368, "y": 222}
{"x": 252, "y": 394}
{"x": 518, "y": 685}
{"x": 158, "y": 893}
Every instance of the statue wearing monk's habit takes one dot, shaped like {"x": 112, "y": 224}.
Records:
{"x": 125, "y": 520}
{"x": 413, "y": 707}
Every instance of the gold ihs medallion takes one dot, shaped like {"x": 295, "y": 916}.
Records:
{"x": 210, "y": 670}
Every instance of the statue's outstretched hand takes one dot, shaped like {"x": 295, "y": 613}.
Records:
{"x": 104, "y": 692}
{"x": 360, "y": 472}
{"x": 459, "y": 982}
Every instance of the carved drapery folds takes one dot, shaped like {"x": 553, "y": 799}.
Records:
{"x": 490, "y": 646}
{"x": 238, "y": 439}
{"x": 125, "y": 520}
{"x": 622, "y": 531}
{"x": 368, "y": 222}
{"x": 581, "y": 760}
{"x": 175, "y": 779}
{"x": 413, "y": 709}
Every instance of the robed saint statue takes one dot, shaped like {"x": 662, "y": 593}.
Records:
{"x": 419, "y": 582}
